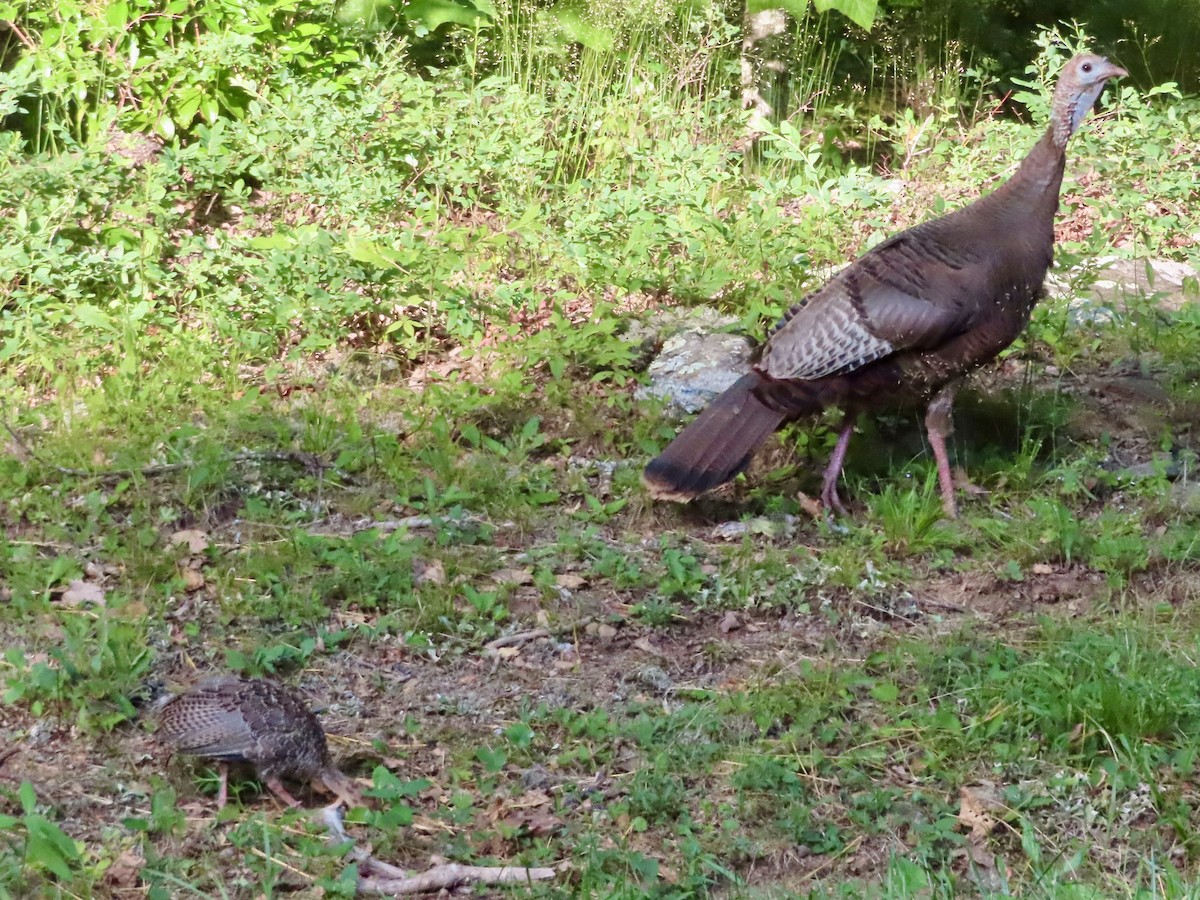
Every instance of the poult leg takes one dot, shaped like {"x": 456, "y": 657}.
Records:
{"x": 278, "y": 790}
{"x": 222, "y": 785}
{"x": 337, "y": 783}
{"x": 939, "y": 424}
{"x": 833, "y": 471}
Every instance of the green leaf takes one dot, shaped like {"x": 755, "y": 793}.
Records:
{"x": 575, "y": 27}
{"x": 117, "y": 14}
{"x": 493, "y": 760}
{"x": 187, "y": 104}
{"x": 28, "y": 797}
{"x": 398, "y": 815}
{"x": 92, "y": 317}
{"x": 372, "y": 253}
{"x": 387, "y": 786}
{"x": 796, "y": 8}
{"x": 435, "y": 13}
{"x": 861, "y": 12}
{"x": 519, "y": 734}
{"x": 885, "y": 691}
{"x": 48, "y": 847}
{"x": 1029, "y": 841}
{"x": 532, "y": 214}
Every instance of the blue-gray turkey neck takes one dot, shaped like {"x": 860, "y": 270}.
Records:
{"x": 904, "y": 323}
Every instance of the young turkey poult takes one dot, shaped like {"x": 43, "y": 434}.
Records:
{"x": 253, "y": 721}
{"x": 904, "y": 323}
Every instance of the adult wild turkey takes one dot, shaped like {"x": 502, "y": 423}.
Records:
{"x": 903, "y": 323}
{"x": 254, "y": 721}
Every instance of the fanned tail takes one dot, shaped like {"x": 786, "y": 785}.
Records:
{"x": 715, "y": 446}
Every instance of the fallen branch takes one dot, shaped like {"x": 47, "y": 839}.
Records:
{"x": 380, "y": 878}
{"x": 410, "y": 523}
{"x": 451, "y": 875}
{"x": 521, "y": 637}
{"x": 940, "y": 604}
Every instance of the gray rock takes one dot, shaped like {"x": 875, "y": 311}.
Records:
{"x": 671, "y": 320}
{"x": 693, "y": 368}
{"x": 781, "y": 526}
{"x": 1104, "y": 283}
{"x": 649, "y": 333}
{"x": 1171, "y": 465}
{"x": 1127, "y": 278}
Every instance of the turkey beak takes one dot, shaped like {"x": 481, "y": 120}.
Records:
{"x": 1111, "y": 71}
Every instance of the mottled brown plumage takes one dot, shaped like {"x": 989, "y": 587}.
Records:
{"x": 254, "y": 721}
{"x": 903, "y": 324}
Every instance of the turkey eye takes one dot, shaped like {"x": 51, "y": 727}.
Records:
{"x": 1087, "y": 67}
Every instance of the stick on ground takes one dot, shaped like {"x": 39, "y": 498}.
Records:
{"x": 379, "y": 878}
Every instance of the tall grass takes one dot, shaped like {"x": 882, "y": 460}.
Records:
{"x": 610, "y": 70}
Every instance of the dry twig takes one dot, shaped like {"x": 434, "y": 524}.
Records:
{"x": 331, "y": 528}
{"x": 451, "y": 875}
{"x": 521, "y": 637}
{"x": 380, "y": 878}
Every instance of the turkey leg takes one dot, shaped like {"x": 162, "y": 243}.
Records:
{"x": 223, "y": 787}
{"x": 939, "y": 424}
{"x": 829, "y": 492}
{"x": 279, "y": 791}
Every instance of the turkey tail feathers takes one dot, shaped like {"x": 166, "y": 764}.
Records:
{"x": 716, "y": 446}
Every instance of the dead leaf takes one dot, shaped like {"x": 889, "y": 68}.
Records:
{"x": 643, "y": 644}
{"x": 1041, "y": 569}
{"x": 810, "y": 505}
{"x": 530, "y": 799}
{"x": 975, "y": 811}
{"x": 125, "y": 870}
{"x": 81, "y": 592}
{"x": 193, "y": 580}
{"x": 195, "y": 541}
{"x": 981, "y": 856}
{"x": 512, "y": 576}
{"x": 570, "y": 582}
{"x": 731, "y": 621}
{"x": 537, "y": 823}
{"x": 431, "y": 572}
